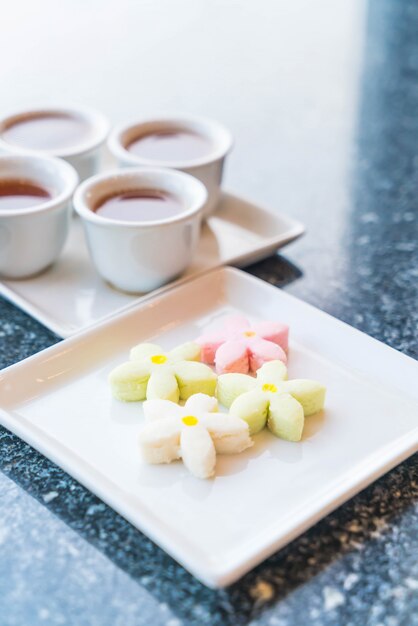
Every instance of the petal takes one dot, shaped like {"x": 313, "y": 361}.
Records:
{"x": 230, "y": 434}
{"x": 163, "y": 385}
{"x": 272, "y": 372}
{"x": 193, "y": 377}
{"x": 273, "y": 331}
{"x": 235, "y": 324}
{"x": 189, "y": 351}
{"x": 159, "y": 441}
{"x": 262, "y": 351}
{"x": 232, "y": 356}
{"x": 209, "y": 343}
{"x": 129, "y": 381}
{"x": 144, "y": 350}
{"x": 160, "y": 409}
{"x": 213, "y": 339}
{"x": 200, "y": 403}
{"x": 252, "y": 407}
{"x": 286, "y": 418}
{"x": 197, "y": 451}
{"x": 230, "y": 386}
{"x": 309, "y": 393}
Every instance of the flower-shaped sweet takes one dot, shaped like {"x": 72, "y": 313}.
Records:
{"x": 239, "y": 346}
{"x": 193, "y": 432}
{"x": 271, "y": 399}
{"x": 152, "y": 373}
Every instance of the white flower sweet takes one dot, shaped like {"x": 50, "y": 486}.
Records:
{"x": 194, "y": 433}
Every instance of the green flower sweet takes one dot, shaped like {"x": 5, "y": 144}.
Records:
{"x": 154, "y": 374}
{"x": 270, "y": 399}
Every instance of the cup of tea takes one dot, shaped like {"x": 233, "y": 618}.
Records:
{"x": 75, "y": 134}
{"x": 35, "y": 212}
{"x": 142, "y": 225}
{"x": 193, "y": 145}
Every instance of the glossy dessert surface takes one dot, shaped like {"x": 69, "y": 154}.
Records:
{"x": 170, "y": 145}
{"x": 48, "y": 131}
{"x": 142, "y": 205}
{"x": 21, "y": 194}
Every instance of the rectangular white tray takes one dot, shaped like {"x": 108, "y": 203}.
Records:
{"x": 70, "y": 295}
{"x": 59, "y": 402}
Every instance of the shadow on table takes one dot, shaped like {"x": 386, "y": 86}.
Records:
{"x": 275, "y": 270}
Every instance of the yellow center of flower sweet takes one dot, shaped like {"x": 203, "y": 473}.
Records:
{"x": 158, "y": 359}
{"x": 190, "y": 420}
{"x": 249, "y": 333}
{"x": 269, "y": 387}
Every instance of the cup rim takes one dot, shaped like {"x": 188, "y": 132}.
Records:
{"x": 68, "y": 171}
{"x": 225, "y": 140}
{"x": 85, "y": 212}
{"x": 96, "y": 120}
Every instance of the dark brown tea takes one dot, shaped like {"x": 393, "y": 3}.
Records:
{"x": 142, "y": 205}
{"x": 47, "y": 132}
{"x": 21, "y": 194}
{"x": 170, "y": 145}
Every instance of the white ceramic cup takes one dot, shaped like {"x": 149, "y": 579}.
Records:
{"x": 140, "y": 256}
{"x": 32, "y": 238}
{"x": 207, "y": 169}
{"x": 84, "y": 155}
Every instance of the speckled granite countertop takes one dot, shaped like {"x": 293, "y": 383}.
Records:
{"x": 344, "y": 159}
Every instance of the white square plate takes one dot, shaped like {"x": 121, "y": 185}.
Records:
{"x": 71, "y": 296}
{"x": 59, "y": 401}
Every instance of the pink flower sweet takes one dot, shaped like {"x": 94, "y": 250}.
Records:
{"x": 239, "y": 346}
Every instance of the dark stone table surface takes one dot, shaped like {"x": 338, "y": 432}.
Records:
{"x": 339, "y": 150}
